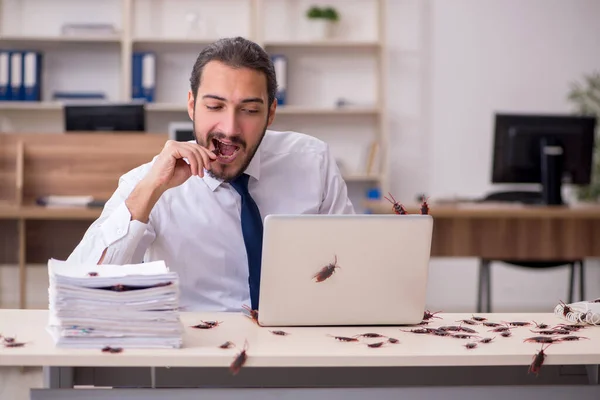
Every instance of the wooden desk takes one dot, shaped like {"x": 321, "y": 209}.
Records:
{"x": 308, "y": 357}
{"x": 518, "y": 232}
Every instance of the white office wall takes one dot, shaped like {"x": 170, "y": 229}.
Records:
{"x": 488, "y": 56}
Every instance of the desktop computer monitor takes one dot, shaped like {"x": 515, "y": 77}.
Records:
{"x": 181, "y": 131}
{"x": 543, "y": 149}
{"x": 105, "y": 117}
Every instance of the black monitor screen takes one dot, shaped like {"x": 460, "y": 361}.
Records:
{"x": 105, "y": 117}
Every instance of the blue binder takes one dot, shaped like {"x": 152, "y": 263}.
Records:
{"x": 32, "y": 76}
{"x": 143, "y": 76}
{"x": 5, "y": 75}
{"x": 17, "y": 92}
{"x": 280, "y": 64}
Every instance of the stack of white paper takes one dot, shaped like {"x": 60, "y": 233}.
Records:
{"x": 128, "y": 306}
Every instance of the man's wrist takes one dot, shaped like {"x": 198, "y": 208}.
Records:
{"x": 142, "y": 199}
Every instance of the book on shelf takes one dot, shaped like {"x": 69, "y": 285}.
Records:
{"x": 20, "y": 75}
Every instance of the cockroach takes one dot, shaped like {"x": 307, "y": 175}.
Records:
{"x": 439, "y": 332}
{"x": 113, "y": 350}
{"x": 518, "y": 323}
{"x": 419, "y": 330}
{"x": 427, "y": 315}
{"x": 467, "y": 321}
{"x": 596, "y": 300}
{"x": 370, "y": 335}
{"x": 451, "y": 328}
{"x": 14, "y": 344}
{"x": 540, "y": 326}
{"x": 345, "y": 339}
{"x": 471, "y": 345}
{"x": 500, "y": 329}
{"x": 393, "y": 340}
{"x": 478, "y": 319}
{"x": 506, "y": 334}
{"x": 212, "y": 323}
{"x": 424, "y": 323}
{"x": 541, "y": 339}
{"x": 279, "y": 333}
{"x": 326, "y": 271}
{"x": 92, "y": 273}
{"x": 227, "y": 345}
{"x": 239, "y": 360}
{"x": 202, "y": 326}
{"x": 378, "y": 344}
{"x": 8, "y": 339}
{"x": 571, "y": 338}
{"x": 463, "y": 336}
{"x": 397, "y": 207}
{"x": 573, "y": 328}
{"x": 544, "y": 332}
{"x": 491, "y": 324}
{"x": 538, "y": 360}
{"x": 468, "y": 330}
{"x": 487, "y": 339}
{"x": 566, "y": 308}
{"x": 424, "y": 206}
{"x": 253, "y": 313}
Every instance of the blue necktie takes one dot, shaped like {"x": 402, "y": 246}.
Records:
{"x": 252, "y": 229}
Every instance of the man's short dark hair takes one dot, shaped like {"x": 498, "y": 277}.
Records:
{"x": 236, "y": 52}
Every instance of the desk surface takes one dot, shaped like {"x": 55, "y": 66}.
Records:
{"x": 494, "y": 210}
{"x": 303, "y": 347}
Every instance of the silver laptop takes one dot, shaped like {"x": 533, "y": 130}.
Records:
{"x": 334, "y": 270}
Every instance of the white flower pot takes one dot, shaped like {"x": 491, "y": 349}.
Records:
{"x": 319, "y": 29}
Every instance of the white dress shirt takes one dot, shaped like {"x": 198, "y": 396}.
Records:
{"x": 196, "y": 227}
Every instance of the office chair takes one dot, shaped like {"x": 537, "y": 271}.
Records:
{"x": 485, "y": 264}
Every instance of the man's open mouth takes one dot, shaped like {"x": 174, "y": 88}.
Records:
{"x": 225, "y": 151}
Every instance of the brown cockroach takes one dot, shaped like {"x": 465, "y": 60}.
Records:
{"x": 370, "y": 335}
{"x": 424, "y": 206}
{"x": 518, "y": 323}
{"x": 427, "y": 315}
{"x": 227, "y": 345}
{"x": 239, "y": 360}
{"x": 450, "y": 328}
{"x": 478, "y": 319}
{"x": 573, "y": 328}
{"x": 470, "y": 345}
{"x": 9, "y": 339}
{"x": 500, "y": 329}
{"x": 419, "y": 330}
{"x": 424, "y": 323}
{"x": 327, "y": 271}
{"x": 491, "y": 324}
{"x": 468, "y": 330}
{"x": 253, "y": 313}
{"x": 571, "y": 338}
{"x": 92, "y": 273}
{"x": 378, "y": 344}
{"x": 506, "y": 334}
{"x": 393, "y": 340}
{"x": 212, "y": 323}
{"x": 463, "y": 336}
{"x": 438, "y": 332}
{"x": 544, "y": 331}
{"x": 538, "y": 360}
{"x": 397, "y": 207}
{"x": 202, "y": 326}
{"x": 467, "y": 321}
{"x": 541, "y": 339}
{"x": 540, "y": 326}
{"x": 487, "y": 339}
{"x": 566, "y": 308}
{"x": 345, "y": 338}
{"x": 112, "y": 350}
{"x": 279, "y": 333}
{"x": 14, "y": 344}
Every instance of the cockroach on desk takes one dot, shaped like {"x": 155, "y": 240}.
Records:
{"x": 427, "y": 315}
{"x": 239, "y": 360}
{"x": 396, "y": 207}
{"x": 538, "y": 360}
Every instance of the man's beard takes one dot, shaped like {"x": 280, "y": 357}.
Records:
{"x": 250, "y": 152}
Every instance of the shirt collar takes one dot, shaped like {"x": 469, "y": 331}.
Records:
{"x": 253, "y": 169}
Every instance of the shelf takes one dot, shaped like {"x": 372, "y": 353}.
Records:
{"x": 171, "y": 40}
{"x": 323, "y": 44}
{"x": 38, "y": 40}
{"x": 30, "y": 105}
{"x": 281, "y": 110}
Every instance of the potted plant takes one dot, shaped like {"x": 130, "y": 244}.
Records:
{"x": 585, "y": 97}
{"x": 321, "y": 20}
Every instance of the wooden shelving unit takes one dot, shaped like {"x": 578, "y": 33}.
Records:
{"x": 159, "y": 25}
